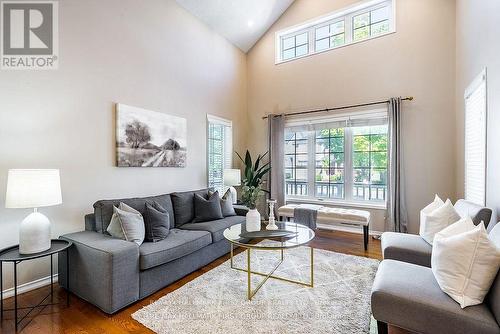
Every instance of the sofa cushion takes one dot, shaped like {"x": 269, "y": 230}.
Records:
{"x": 103, "y": 209}
{"x": 409, "y": 248}
{"x": 215, "y": 227}
{"x": 408, "y": 296}
{"x": 177, "y": 244}
{"x": 183, "y": 204}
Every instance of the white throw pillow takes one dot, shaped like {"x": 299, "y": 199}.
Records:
{"x": 438, "y": 202}
{"x": 494, "y": 235}
{"x": 436, "y": 220}
{"x": 127, "y": 223}
{"x": 465, "y": 262}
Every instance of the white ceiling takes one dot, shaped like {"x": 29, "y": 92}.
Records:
{"x": 242, "y": 22}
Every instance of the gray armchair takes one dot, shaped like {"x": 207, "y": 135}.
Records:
{"x": 406, "y": 294}
{"x": 414, "y": 249}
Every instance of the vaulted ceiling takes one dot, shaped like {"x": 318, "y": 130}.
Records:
{"x": 242, "y": 22}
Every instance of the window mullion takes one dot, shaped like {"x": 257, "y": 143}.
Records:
{"x": 348, "y": 29}
{"x": 312, "y": 39}
{"x": 348, "y": 172}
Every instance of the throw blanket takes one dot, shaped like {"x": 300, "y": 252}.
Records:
{"x": 306, "y": 214}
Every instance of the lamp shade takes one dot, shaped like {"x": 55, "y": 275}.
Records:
{"x": 33, "y": 188}
{"x": 232, "y": 177}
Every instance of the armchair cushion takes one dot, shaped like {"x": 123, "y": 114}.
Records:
{"x": 408, "y": 296}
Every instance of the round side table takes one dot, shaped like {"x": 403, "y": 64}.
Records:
{"x": 11, "y": 254}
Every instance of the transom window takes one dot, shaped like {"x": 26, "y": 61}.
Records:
{"x": 295, "y": 46}
{"x": 340, "y": 161}
{"x": 362, "y": 21}
{"x": 371, "y": 24}
{"x": 330, "y": 36}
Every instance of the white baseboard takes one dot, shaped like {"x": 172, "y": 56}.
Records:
{"x": 7, "y": 293}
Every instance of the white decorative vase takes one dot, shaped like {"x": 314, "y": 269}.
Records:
{"x": 34, "y": 234}
{"x": 253, "y": 220}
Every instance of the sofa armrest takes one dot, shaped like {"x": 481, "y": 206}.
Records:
{"x": 90, "y": 222}
{"x": 241, "y": 210}
{"x": 102, "y": 270}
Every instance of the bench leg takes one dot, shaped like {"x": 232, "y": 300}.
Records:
{"x": 382, "y": 327}
{"x": 365, "y": 236}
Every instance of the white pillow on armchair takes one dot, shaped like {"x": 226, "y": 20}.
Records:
{"x": 435, "y": 217}
{"x": 465, "y": 261}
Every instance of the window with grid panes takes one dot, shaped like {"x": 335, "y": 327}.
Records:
{"x": 341, "y": 163}
{"x": 330, "y": 36}
{"x": 219, "y": 151}
{"x": 295, "y": 46}
{"x": 296, "y": 163}
{"x": 369, "y": 163}
{"x": 329, "y": 169}
{"x": 370, "y": 24}
{"x": 359, "y": 22}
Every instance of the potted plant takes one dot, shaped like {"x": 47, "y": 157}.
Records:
{"x": 252, "y": 186}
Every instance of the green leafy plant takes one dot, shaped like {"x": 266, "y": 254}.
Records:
{"x": 253, "y": 179}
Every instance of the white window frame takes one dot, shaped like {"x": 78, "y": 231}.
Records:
{"x": 227, "y": 144}
{"x": 475, "y": 183}
{"x": 348, "y": 162}
{"x": 346, "y": 15}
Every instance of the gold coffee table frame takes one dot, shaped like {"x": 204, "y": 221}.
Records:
{"x": 249, "y": 247}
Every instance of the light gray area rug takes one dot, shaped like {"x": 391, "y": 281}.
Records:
{"x": 216, "y": 301}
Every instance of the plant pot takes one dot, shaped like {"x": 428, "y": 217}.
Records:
{"x": 253, "y": 220}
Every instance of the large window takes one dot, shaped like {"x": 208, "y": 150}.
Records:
{"x": 219, "y": 151}
{"x": 338, "y": 161}
{"x": 362, "y": 21}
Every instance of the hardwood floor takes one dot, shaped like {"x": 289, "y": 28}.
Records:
{"x": 82, "y": 317}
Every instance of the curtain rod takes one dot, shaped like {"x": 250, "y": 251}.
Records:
{"x": 409, "y": 98}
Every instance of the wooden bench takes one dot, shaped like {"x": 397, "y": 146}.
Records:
{"x": 328, "y": 216}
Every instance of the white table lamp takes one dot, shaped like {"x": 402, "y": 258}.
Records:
{"x": 33, "y": 188}
{"x": 232, "y": 177}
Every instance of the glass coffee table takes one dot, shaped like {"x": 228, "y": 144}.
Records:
{"x": 239, "y": 236}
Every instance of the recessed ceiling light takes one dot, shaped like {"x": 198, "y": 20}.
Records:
{"x": 250, "y": 23}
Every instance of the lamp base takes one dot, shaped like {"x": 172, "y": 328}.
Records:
{"x": 34, "y": 234}
{"x": 234, "y": 195}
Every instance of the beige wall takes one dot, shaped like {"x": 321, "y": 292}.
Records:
{"x": 478, "y": 47}
{"x": 418, "y": 60}
{"x": 154, "y": 56}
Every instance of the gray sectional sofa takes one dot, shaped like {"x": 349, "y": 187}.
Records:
{"x": 113, "y": 273}
{"x": 406, "y": 294}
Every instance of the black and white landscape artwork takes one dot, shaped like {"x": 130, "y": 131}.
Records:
{"x": 147, "y": 138}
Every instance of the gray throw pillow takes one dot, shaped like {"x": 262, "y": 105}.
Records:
{"x": 127, "y": 223}
{"x": 226, "y": 205}
{"x": 183, "y": 204}
{"x": 156, "y": 221}
{"x": 206, "y": 210}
